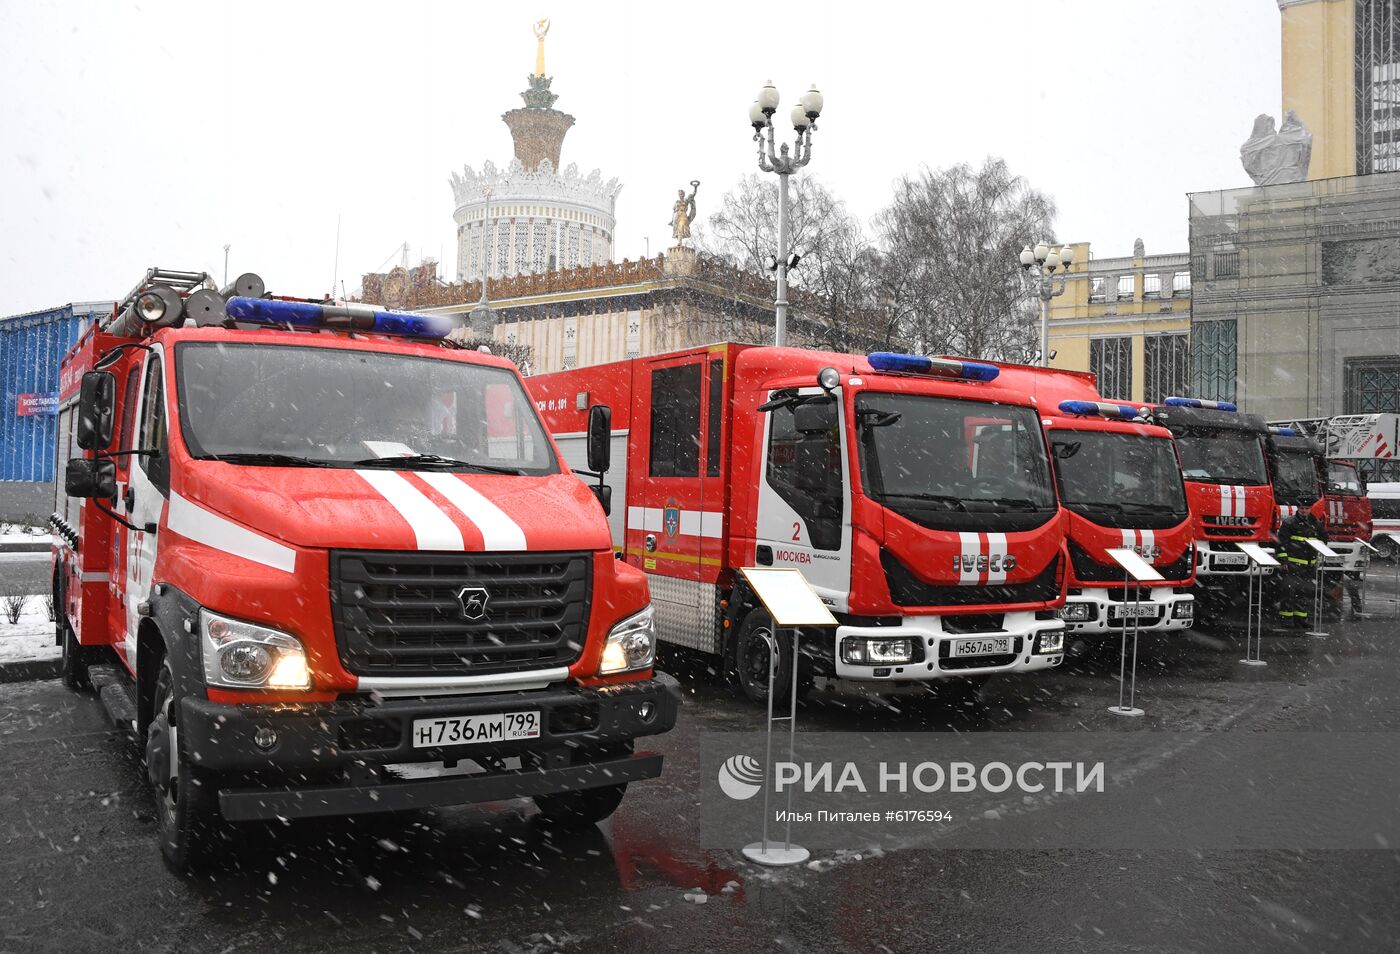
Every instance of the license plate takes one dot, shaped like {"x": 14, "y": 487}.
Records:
{"x": 1131, "y": 610}
{"x": 475, "y": 729}
{"x": 995, "y": 646}
{"x": 1231, "y": 559}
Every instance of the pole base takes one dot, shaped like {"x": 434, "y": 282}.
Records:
{"x": 1253, "y": 662}
{"x": 1133, "y": 711}
{"x": 775, "y": 855}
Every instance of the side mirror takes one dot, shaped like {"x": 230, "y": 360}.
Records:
{"x": 604, "y": 494}
{"x": 816, "y": 417}
{"x": 90, "y": 478}
{"x": 96, "y": 410}
{"x": 599, "y": 438}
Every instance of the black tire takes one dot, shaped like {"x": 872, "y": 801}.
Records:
{"x": 574, "y": 810}
{"x": 752, "y": 655}
{"x": 187, "y": 818}
{"x": 76, "y": 659}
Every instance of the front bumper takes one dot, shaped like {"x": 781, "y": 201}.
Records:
{"x": 1216, "y": 558}
{"x": 1162, "y": 605}
{"x": 936, "y": 643}
{"x": 333, "y": 758}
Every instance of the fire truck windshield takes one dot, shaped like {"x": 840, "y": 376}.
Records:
{"x": 941, "y": 461}
{"x": 1222, "y": 457}
{"x": 335, "y": 407}
{"x": 1129, "y": 474}
{"x": 1295, "y": 479}
{"x": 1344, "y": 479}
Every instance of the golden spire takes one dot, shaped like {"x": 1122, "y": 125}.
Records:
{"x": 541, "y": 28}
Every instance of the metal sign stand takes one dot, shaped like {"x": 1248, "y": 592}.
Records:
{"x": 1324, "y": 553}
{"x": 791, "y": 602}
{"x": 1361, "y": 581}
{"x": 1139, "y": 571}
{"x": 1259, "y": 558}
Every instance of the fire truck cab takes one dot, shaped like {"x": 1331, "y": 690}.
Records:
{"x": 915, "y": 495}
{"x": 1119, "y": 478}
{"x": 1228, "y": 487}
{"x": 322, "y": 561}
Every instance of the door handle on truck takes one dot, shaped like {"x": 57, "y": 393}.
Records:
{"x": 650, "y": 542}
{"x": 129, "y": 499}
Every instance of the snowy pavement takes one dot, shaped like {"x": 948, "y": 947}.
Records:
{"x": 76, "y": 808}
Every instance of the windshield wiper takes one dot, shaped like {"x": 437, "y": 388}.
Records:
{"x": 1023, "y": 503}
{"x": 268, "y": 460}
{"x": 412, "y": 461}
{"x": 953, "y": 503}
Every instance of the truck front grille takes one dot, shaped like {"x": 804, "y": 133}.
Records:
{"x": 399, "y": 613}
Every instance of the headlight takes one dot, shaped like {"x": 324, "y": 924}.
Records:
{"x": 877, "y": 652}
{"x": 1052, "y": 641}
{"x": 247, "y": 656}
{"x": 1186, "y": 609}
{"x": 1076, "y": 612}
{"x": 631, "y": 644}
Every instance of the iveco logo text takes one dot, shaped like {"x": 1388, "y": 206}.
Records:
{"x": 473, "y": 600}
{"x": 1223, "y": 521}
{"x": 996, "y": 563}
{"x": 1148, "y": 551}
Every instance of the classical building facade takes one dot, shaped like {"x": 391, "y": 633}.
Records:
{"x": 1341, "y": 76}
{"x": 531, "y": 216}
{"x": 1296, "y": 302}
{"x": 607, "y": 312}
{"x": 1126, "y": 319}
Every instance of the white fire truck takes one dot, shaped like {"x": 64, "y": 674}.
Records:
{"x": 915, "y": 494}
{"x": 322, "y": 561}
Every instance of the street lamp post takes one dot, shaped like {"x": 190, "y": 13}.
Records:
{"x": 784, "y": 162}
{"x": 1040, "y": 265}
{"x": 481, "y": 316}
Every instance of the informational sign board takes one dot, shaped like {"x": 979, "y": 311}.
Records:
{"x": 1138, "y": 568}
{"x": 788, "y": 596}
{"x": 36, "y": 405}
{"x": 1323, "y": 549}
{"x": 1258, "y": 554}
{"x": 1368, "y": 546}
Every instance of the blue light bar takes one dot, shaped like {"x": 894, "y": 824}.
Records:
{"x": 269, "y": 311}
{"x": 1122, "y": 412}
{"x": 1284, "y": 431}
{"x": 917, "y": 364}
{"x": 1197, "y": 402}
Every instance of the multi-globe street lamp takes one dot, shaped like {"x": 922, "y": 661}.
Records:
{"x": 784, "y": 162}
{"x": 1040, "y": 265}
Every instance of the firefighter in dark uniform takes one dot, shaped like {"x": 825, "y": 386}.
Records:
{"x": 1298, "y": 568}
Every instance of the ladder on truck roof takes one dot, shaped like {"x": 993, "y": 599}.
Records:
{"x": 1354, "y": 436}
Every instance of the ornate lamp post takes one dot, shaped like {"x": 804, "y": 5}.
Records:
{"x": 481, "y": 317}
{"x": 784, "y": 162}
{"x": 1040, "y": 265}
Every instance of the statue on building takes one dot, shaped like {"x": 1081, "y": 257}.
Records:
{"x": 541, "y": 28}
{"x": 683, "y": 212}
{"x": 1272, "y": 157}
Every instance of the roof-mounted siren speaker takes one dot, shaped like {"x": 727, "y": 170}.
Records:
{"x": 247, "y": 285}
{"x": 206, "y": 307}
{"x": 156, "y": 307}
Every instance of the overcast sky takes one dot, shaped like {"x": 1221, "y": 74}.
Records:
{"x": 148, "y": 134}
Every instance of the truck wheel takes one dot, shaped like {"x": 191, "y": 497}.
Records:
{"x": 573, "y": 810}
{"x": 1387, "y": 548}
{"x": 76, "y": 659}
{"x": 752, "y": 657}
{"x": 185, "y": 812}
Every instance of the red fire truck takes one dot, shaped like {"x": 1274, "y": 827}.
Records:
{"x": 915, "y": 494}
{"x": 1120, "y": 480}
{"x": 339, "y": 568}
{"x": 1227, "y": 486}
{"x": 1348, "y": 445}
